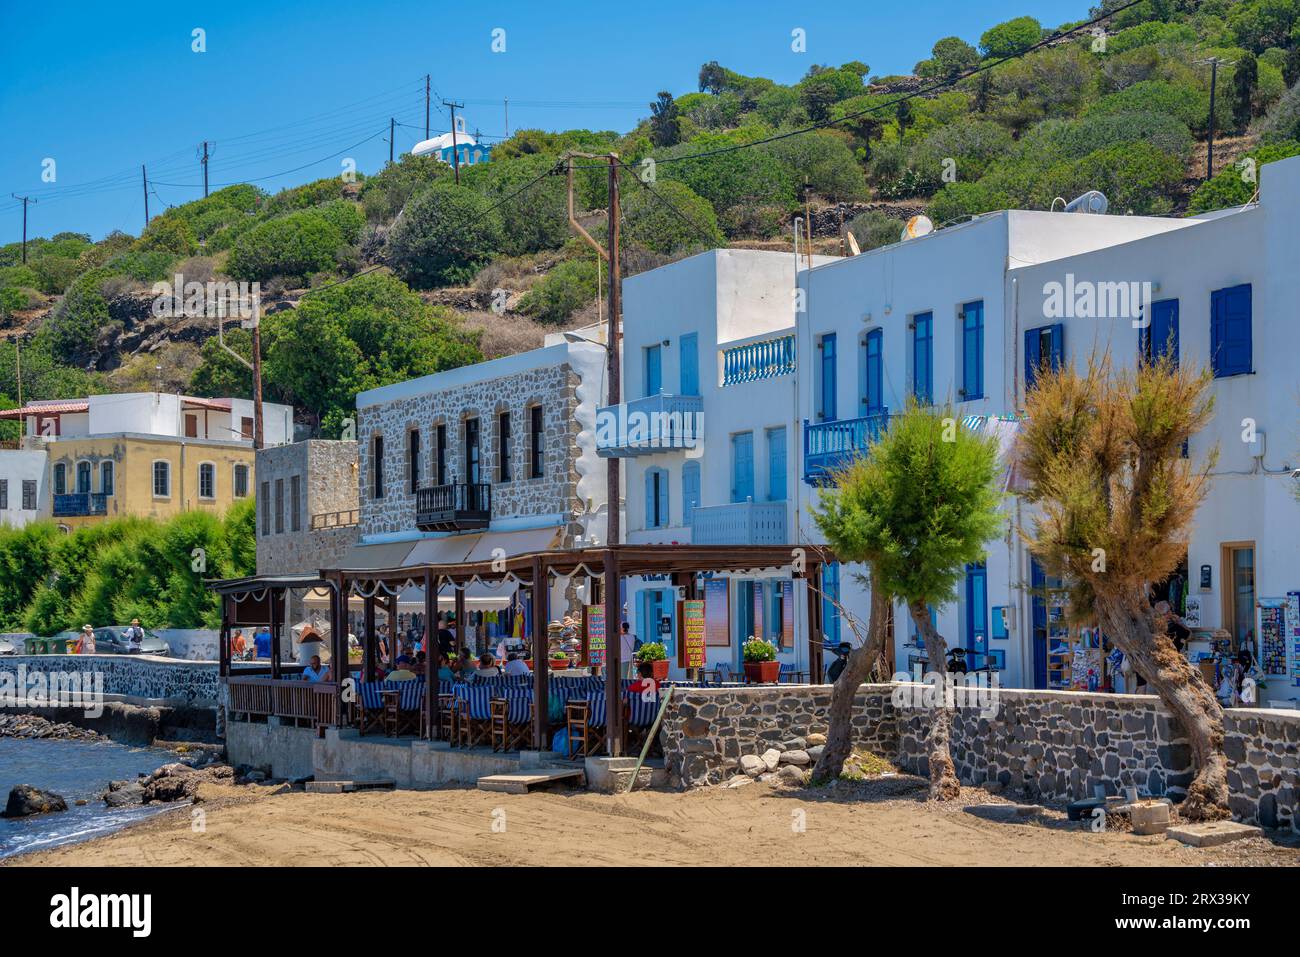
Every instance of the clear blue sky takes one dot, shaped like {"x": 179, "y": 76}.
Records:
{"x": 102, "y": 87}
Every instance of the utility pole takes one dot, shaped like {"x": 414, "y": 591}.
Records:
{"x": 144, "y": 179}
{"x": 1214, "y": 62}
{"x": 18, "y": 357}
{"x": 392, "y": 137}
{"x": 25, "y": 201}
{"x": 507, "y": 117}
{"x": 612, "y": 354}
{"x": 455, "y": 150}
{"x": 257, "y": 374}
{"x": 426, "y": 106}
{"x": 205, "y": 169}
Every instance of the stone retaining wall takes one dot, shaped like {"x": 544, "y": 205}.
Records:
{"x": 1041, "y": 745}
{"x": 192, "y": 683}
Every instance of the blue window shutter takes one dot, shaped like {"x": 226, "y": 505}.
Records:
{"x": 973, "y": 350}
{"x": 1230, "y": 331}
{"x": 650, "y": 498}
{"x": 923, "y": 358}
{"x": 664, "y": 519}
{"x": 653, "y": 370}
{"x": 776, "y": 491}
{"x": 828, "y": 378}
{"x": 1058, "y": 346}
{"x": 690, "y": 490}
{"x": 1031, "y": 358}
{"x": 689, "y": 352}
{"x": 742, "y": 466}
{"x": 873, "y": 393}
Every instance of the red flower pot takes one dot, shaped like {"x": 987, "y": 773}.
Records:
{"x": 660, "y": 667}
{"x": 762, "y": 672}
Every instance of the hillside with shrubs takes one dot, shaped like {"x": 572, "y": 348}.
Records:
{"x": 406, "y": 272}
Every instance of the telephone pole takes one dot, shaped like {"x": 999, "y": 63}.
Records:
{"x": 1214, "y": 62}
{"x": 392, "y": 137}
{"x": 455, "y": 150}
{"x": 25, "y": 200}
{"x": 426, "y": 106}
{"x": 507, "y": 117}
{"x": 257, "y": 373}
{"x": 144, "y": 179}
{"x": 205, "y": 169}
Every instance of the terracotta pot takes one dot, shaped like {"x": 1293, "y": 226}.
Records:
{"x": 762, "y": 672}
{"x": 660, "y": 672}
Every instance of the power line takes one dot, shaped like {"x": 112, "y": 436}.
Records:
{"x": 286, "y": 172}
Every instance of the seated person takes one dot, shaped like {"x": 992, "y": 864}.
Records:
{"x": 444, "y": 669}
{"x": 465, "y": 663}
{"x": 314, "y": 672}
{"x": 645, "y": 684}
{"x": 487, "y": 668}
{"x": 515, "y": 665}
{"x": 403, "y": 670}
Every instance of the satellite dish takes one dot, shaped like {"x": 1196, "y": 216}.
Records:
{"x": 916, "y": 227}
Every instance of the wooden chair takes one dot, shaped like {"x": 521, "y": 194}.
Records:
{"x": 471, "y": 731}
{"x": 585, "y": 738}
{"x": 508, "y": 735}
{"x": 447, "y": 718}
{"x": 369, "y": 707}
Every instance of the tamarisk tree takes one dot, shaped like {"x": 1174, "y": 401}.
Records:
{"x": 1102, "y": 456}
{"x": 916, "y": 509}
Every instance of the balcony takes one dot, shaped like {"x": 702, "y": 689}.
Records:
{"x": 830, "y": 446}
{"x": 452, "y": 508}
{"x": 753, "y": 361}
{"x": 655, "y": 423}
{"x": 80, "y": 504}
{"x": 740, "y": 523}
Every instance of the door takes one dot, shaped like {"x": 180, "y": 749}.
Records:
{"x": 1239, "y": 592}
{"x": 826, "y": 402}
{"x": 742, "y": 467}
{"x": 191, "y": 426}
{"x": 1160, "y": 336}
{"x": 690, "y": 490}
{"x": 473, "y": 463}
{"x": 977, "y": 613}
{"x": 689, "y": 354}
{"x": 776, "y": 465}
{"x": 654, "y": 374}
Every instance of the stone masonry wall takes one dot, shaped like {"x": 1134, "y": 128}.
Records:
{"x": 135, "y": 676}
{"x": 327, "y": 471}
{"x": 552, "y": 387}
{"x": 1040, "y": 745}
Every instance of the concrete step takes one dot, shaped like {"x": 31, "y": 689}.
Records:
{"x": 1212, "y": 833}
{"x": 347, "y": 787}
{"x": 521, "y": 782}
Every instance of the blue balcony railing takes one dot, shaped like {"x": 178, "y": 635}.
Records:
{"x": 828, "y": 446}
{"x": 80, "y": 503}
{"x": 652, "y": 424}
{"x": 740, "y": 523}
{"x": 758, "y": 360}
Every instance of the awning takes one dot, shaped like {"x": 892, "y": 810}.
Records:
{"x": 478, "y": 597}
{"x": 381, "y": 555}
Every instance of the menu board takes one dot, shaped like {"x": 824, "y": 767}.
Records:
{"x": 693, "y": 633}
{"x": 717, "y": 612}
{"x": 595, "y": 635}
{"x": 1293, "y": 633}
{"x": 1272, "y": 636}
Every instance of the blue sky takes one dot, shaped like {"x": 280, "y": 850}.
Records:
{"x": 101, "y": 88}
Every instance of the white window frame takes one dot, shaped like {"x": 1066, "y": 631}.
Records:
{"x": 153, "y": 478}
{"x": 213, "y": 467}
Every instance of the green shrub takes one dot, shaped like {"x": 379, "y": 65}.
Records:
{"x": 757, "y": 650}
{"x": 293, "y": 245}
{"x": 873, "y": 229}
{"x": 668, "y": 216}
{"x": 1010, "y": 37}
{"x": 446, "y": 235}
{"x": 564, "y": 290}
{"x": 651, "y": 651}
{"x": 76, "y": 322}
{"x": 1229, "y": 187}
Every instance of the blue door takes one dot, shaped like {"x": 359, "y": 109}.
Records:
{"x": 1044, "y": 346}
{"x": 873, "y": 392}
{"x": 689, "y": 354}
{"x": 923, "y": 358}
{"x": 977, "y": 613}
{"x": 742, "y": 466}
{"x": 690, "y": 490}
{"x": 826, "y": 404}
{"x": 830, "y": 610}
{"x": 654, "y": 375}
{"x": 1161, "y": 334}
{"x": 776, "y": 465}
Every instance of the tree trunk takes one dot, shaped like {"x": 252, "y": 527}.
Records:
{"x": 839, "y": 737}
{"x": 944, "y": 783}
{"x": 1129, "y": 622}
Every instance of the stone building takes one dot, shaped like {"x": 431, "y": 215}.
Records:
{"x": 306, "y": 506}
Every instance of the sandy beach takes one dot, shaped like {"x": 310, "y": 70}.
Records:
{"x": 885, "y": 822}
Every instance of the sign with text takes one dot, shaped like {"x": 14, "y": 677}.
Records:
{"x": 693, "y": 633}
{"x": 717, "y": 612}
{"x": 595, "y": 616}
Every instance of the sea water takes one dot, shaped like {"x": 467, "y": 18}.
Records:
{"x": 73, "y": 769}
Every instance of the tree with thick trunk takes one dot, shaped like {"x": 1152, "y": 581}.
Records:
{"x": 919, "y": 506}
{"x": 1102, "y": 457}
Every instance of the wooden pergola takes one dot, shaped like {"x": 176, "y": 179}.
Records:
{"x": 680, "y": 564}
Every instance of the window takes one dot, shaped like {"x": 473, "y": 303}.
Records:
{"x": 1044, "y": 348}
{"x": 207, "y": 480}
{"x": 923, "y": 358}
{"x": 776, "y": 465}
{"x": 1230, "y": 345}
{"x": 830, "y": 603}
{"x": 690, "y": 490}
{"x": 241, "y": 481}
{"x": 83, "y": 478}
{"x": 413, "y": 459}
{"x": 246, "y": 427}
{"x": 191, "y": 426}
{"x": 266, "y": 508}
{"x": 972, "y": 350}
{"x": 1160, "y": 335}
{"x": 537, "y": 443}
{"x": 4, "y": 494}
{"x": 60, "y": 479}
{"x": 279, "y": 506}
{"x": 873, "y": 388}
{"x": 440, "y": 449}
{"x": 656, "y": 498}
{"x": 295, "y": 503}
{"x": 377, "y": 467}
{"x": 742, "y": 467}
{"x": 826, "y": 386}
{"x": 688, "y": 348}
{"x": 473, "y": 453}
{"x": 106, "y": 478}
{"x": 654, "y": 370}
{"x": 29, "y": 494}
{"x": 162, "y": 479}
{"x": 503, "y": 447}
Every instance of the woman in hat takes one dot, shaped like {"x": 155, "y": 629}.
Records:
{"x": 86, "y": 641}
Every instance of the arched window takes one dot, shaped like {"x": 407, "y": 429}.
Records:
{"x": 83, "y": 478}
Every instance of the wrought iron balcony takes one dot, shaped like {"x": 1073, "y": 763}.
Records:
{"x": 449, "y": 508}
{"x": 80, "y": 503}
{"x": 829, "y": 446}
{"x": 740, "y": 523}
{"x": 656, "y": 423}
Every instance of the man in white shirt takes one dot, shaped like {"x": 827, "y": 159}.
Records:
{"x": 515, "y": 666}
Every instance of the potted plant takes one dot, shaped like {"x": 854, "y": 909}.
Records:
{"x": 558, "y": 661}
{"x": 657, "y": 655}
{"x": 761, "y": 666}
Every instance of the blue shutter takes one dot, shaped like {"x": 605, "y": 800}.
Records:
{"x": 923, "y": 358}
{"x": 1160, "y": 335}
{"x": 653, "y": 371}
{"x": 742, "y": 466}
{"x": 1043, "y": 344}
{"x": 690, "y": 490}
{"x": 973, "y": 350}
{"x": 1230, "y": 332}
{"x": 1058, "y": 346}
{"x": 690, "y": 361}
{"x": 776, "y": 491}
{"x": 1032, "y": 358}
{"x": 827, "y": 409}
{"x": 872, "y": 386}
{"x": 664, "y": 519}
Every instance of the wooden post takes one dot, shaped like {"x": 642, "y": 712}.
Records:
{"x": 223, "y": 667}
{"x": 394, "y": 643}
{"x": 613, "y": 655}
{"x": 815, "y": 640}
{"x": 370, "y": 651}
{"x": 340, "y": 668}
{"x": 277, "y": 616}
{"x": 430, "y": 646}
{"x": 541, "y": 593}
{"x": 460, "y": 621}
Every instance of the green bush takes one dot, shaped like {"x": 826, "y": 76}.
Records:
{"x": 873, "y": 229}
{"x": 1011, "y": 37}
{"x": 651, "y": 651}
{"x": 757, "y": 650}
{"x": 668, "y": 217}
{"x": 170, "y": 233}
{"x": 75, "y": 324}
{"x": 1230, "y": 186}
{"x": 533, "y": 220}
{"x": 562, "y": 292}
{"x": 1187, "y": 105}
{"x": 54, "y": 273}
{"x": 294, "y": 245}
{"x": 448, "y": 233}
